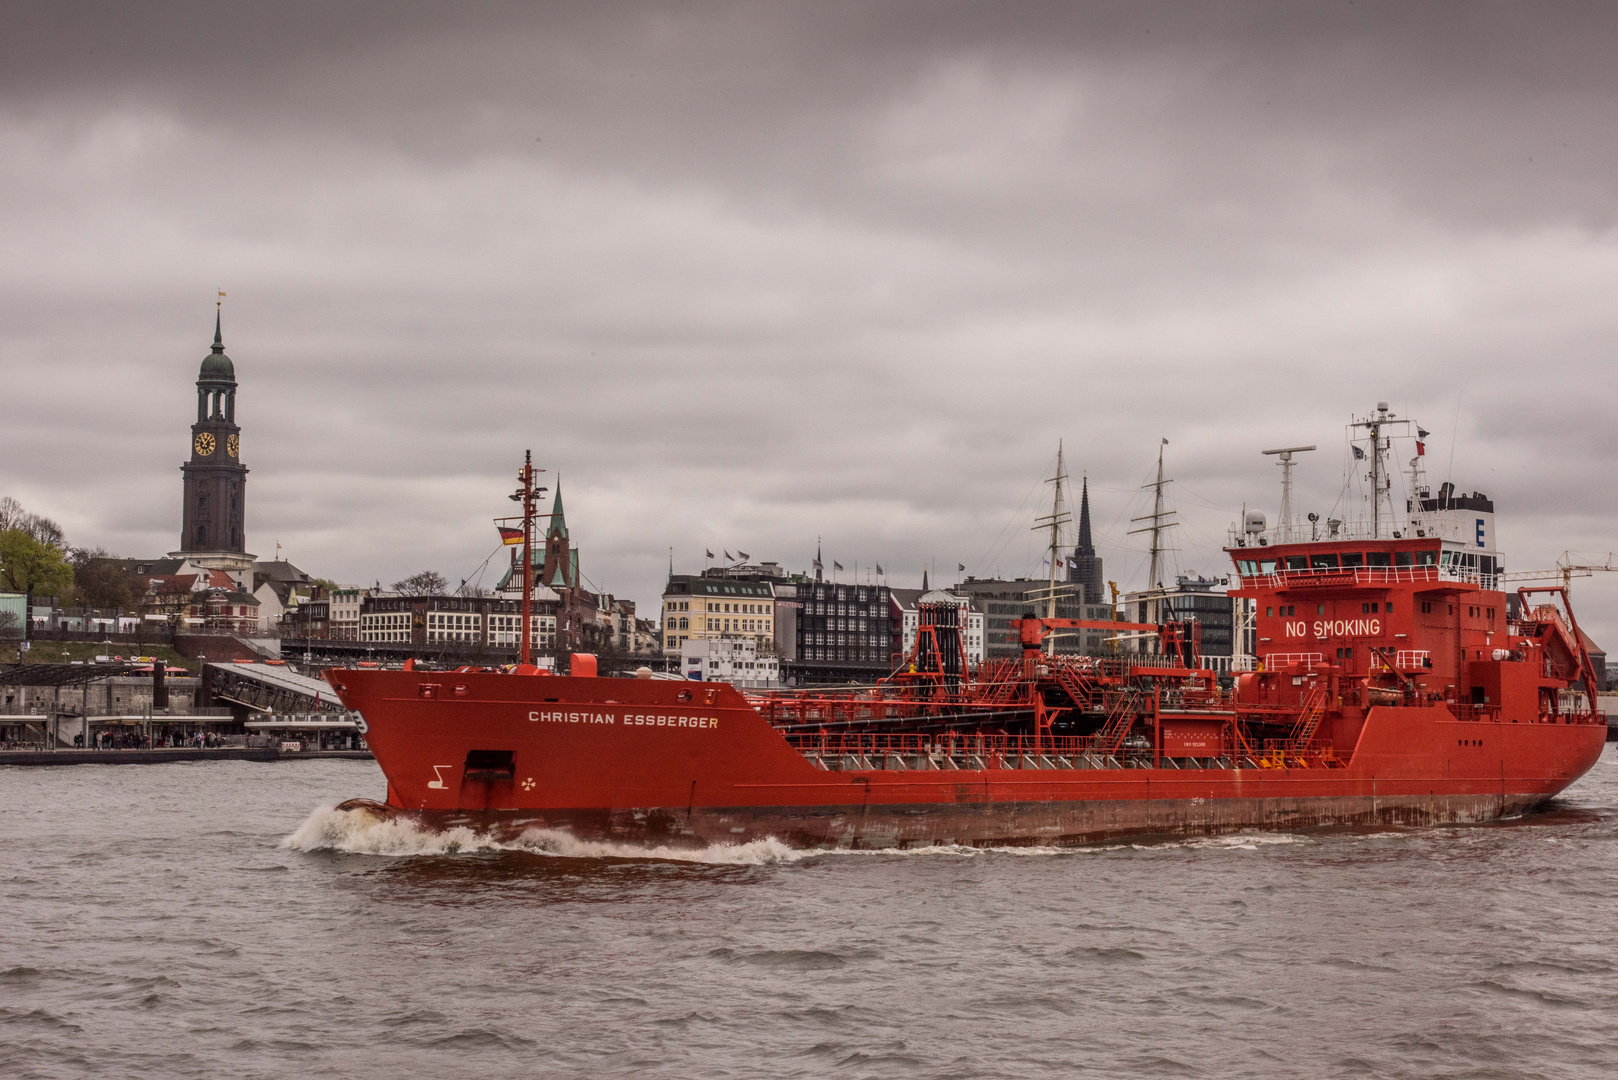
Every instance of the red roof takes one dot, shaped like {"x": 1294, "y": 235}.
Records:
{"x": 1590, "y": 646}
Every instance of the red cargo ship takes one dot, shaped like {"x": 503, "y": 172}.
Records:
{"x": 1393, "y": 681}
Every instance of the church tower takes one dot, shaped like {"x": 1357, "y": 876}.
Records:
{"x": 559, "y": 567}
{"x": 212, "y": 530}
{"x": 1085, "y": 567}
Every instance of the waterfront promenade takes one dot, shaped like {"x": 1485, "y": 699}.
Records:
{"x": 163, "y": 754}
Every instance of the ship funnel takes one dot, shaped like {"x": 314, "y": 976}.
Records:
{"x": 1254, "y": 522}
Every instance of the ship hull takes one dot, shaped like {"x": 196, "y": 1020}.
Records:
{"x": 630, "y": 761}
{"x": 1042, "y": 824}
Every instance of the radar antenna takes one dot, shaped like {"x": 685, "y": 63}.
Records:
{"x": 1284, "y": 459}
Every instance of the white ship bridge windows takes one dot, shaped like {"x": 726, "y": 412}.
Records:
{"x": 1470, "y": 566}
{"x": 1329, "y": 561}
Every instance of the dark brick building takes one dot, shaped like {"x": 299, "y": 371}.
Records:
{"x": 842, "y": 632}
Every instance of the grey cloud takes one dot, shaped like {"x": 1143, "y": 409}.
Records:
{"x": 748, "y": 274}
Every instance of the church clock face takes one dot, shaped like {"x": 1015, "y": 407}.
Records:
{"x": 233, "y": 445}
{"x": 204, "y": 444}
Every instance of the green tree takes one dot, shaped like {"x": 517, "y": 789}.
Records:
{"x": 100, "y": 580}
{"x": 28, "y": 566}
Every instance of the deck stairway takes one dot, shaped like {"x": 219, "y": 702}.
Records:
{"x": 1120, "y": 718}
{"x": 1076, "y": 683}
{"x": 1314, "y": 710}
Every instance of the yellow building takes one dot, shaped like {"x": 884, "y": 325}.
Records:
{"x": 700, "y": 608}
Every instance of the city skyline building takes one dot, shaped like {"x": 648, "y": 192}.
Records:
{"x": 214, "y": 508}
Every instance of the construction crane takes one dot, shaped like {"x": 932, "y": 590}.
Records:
{"x": 1566, "y": 570}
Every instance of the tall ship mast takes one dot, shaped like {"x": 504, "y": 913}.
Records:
{"x": 1392, "y": 681}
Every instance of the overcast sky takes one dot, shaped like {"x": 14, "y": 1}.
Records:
{"x": 745, "y": 275}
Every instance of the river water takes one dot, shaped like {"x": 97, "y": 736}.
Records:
{"x": 217, "y": 919}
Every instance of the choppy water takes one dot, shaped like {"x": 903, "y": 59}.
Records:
{"x": 200, "y": 920}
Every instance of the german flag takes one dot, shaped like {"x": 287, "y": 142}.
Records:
{"x": 509, "y": 537}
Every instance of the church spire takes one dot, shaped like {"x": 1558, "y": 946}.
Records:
{"x": 1085, "y": 566}
{"x": 218, "y": 339}
{"x": 1086, "y": 545}
{"x": 558, "y": 520}
{"x": 924, "y": 589}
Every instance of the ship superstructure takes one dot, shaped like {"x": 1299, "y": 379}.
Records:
{"x": 1391, "y": 680}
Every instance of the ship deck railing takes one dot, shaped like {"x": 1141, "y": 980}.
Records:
{"x": 1344, "y": 577}
{"x": 1281, "y": 661}
{"x": 1403, "y": 660}
{"x": 1493, "y": 714}
{"x": 881, "y": 752}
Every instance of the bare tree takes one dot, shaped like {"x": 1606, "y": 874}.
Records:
{"x": 425, "y": 583}
{"x": 42, "y": 529}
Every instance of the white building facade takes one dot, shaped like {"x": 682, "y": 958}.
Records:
{"x": 699, "y": 608}
{"x": 910, "y": 616}
{"x": 344, "y": 617}
{"x": 733, "y": 660}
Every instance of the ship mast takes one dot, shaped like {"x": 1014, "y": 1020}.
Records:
{"x": 526, "y": 495}
{"x": 1156, "y": 528}
{"x": 1381, "y": 484}
{"x": 1054, "y": 521}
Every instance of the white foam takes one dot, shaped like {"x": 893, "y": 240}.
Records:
{"x": 565, "y": 845}
{"x": 1246, "y": 841}
{"x": 361, "y": 832}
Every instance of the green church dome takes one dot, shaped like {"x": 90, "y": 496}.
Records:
{"x": 216, "y": 366}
